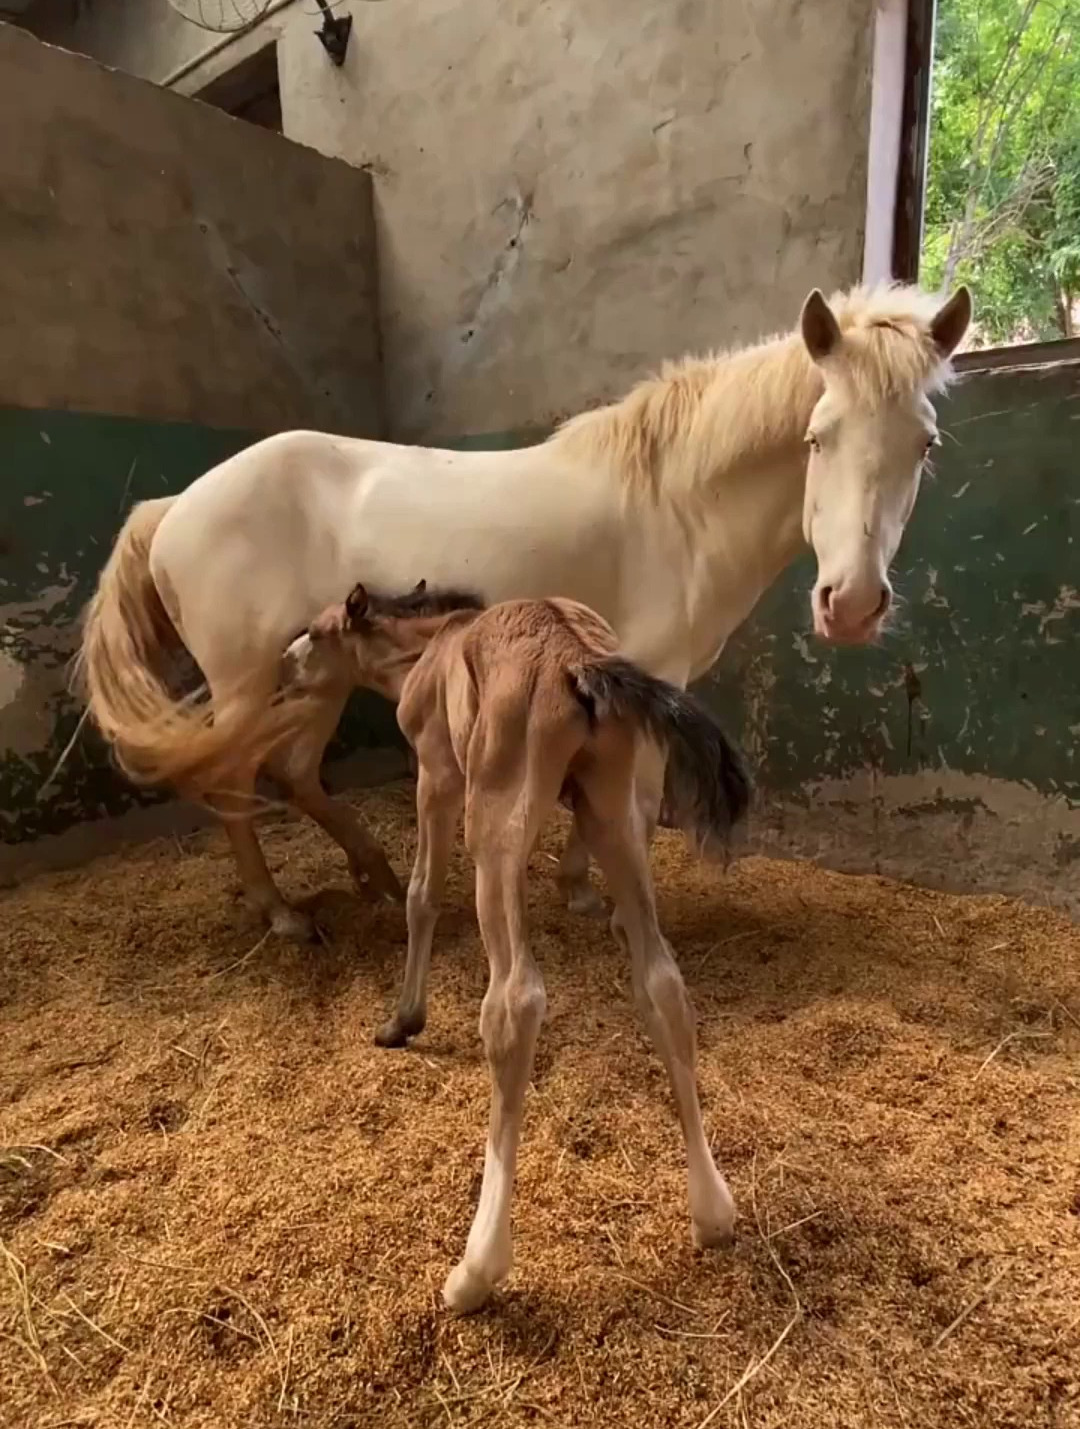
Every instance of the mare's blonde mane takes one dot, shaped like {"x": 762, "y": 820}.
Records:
{"x": 705, "y": 414}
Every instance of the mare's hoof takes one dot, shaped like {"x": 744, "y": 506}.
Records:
{"x": 377, "y": 885}
{"x": 587, "y": 902}
{"x": 397, "y": 1030}
{"x": 296, "y": 926}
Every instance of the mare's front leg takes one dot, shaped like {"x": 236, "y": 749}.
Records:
{"x": 572, "y": 877}
{"x": 438, "y": 805}
{"x": 572, "y": 874}
{"x": 298, "y": 767}
{"x": 611, "y": 823}
{"x": 650, "y": 764}
{"x": 236, "y": 811}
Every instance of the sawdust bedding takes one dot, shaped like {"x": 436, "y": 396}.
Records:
{"x": 221, "y": 1205}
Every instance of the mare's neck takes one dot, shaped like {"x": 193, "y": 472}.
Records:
{"x": 741, "y": 541}
{"x": 744, "y": 480}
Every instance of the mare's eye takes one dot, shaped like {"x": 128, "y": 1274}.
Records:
{"x": 812, "y": 442}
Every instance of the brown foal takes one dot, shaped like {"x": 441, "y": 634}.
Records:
{"x": 510, "y": 710}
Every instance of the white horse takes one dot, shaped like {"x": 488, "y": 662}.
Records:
{"x": 669, "y": 513}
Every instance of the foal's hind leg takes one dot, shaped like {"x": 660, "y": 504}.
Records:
{"x": 500, "y": 830}
{"x": 650, "y": 763}
{"x": 611, "y": 823}
{"x": 572, "y": 874}
{"x": 297, "y": 766}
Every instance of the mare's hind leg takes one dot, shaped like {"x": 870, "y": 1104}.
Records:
{"x": 297, "y": 766}
{"x": 237, "y": 810}
{"x": 611, "y": 822}
{"x": 255, "y": 876}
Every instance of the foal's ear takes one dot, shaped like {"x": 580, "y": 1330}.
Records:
{"x": 820, "y": 330}
{"x": 951, "y": 322}
{"x": 419, "y": 588}
{"x": 328, "y": 623}
{"x": 356, "y": 604}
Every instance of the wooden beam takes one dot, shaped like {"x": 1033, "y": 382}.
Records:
{"x": 914, "y": 141}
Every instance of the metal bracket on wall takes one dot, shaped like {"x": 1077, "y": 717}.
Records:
{"x": 335, "y": 32}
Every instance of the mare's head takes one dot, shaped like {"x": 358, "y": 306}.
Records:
{"x": 880, "y": 354}
{"x": 371, "y": 640}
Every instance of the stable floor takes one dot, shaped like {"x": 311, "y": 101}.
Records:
{"x": 221, "y": 1205}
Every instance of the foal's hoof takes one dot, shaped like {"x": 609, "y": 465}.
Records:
{"x": 717, "y": 1236}
{"x": 296, "y": 926}
{"x": 464, "y": 1292}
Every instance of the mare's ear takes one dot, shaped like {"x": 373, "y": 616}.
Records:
{"x": 951, "y": 322}
{"x": 419, "y": 588}
{"x": 356, "y": 604}
{"x": 820, "y": 330}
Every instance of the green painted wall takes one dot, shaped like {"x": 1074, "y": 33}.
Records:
{"x": 978, "y": 677}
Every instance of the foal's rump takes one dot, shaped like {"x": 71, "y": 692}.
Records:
{"x": 707, "y": 788}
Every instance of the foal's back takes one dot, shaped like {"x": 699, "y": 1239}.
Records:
{"x": 499, "y": 682}
{"x": 527, "y": 646}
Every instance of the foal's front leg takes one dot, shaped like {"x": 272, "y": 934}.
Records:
{"x": 438, "y": 804}
{"x": 510, "y": 1019}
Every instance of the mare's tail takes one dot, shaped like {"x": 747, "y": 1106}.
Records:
{"x": 707, "y": 789}
{"x": 121, "y": 671}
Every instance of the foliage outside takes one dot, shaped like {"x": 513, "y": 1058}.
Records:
{"x": 1003, "y": 187}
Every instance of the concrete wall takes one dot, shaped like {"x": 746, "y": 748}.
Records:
{"x": 163, "y": 260}
{"x": 173, "y": 284}
{"x": 566, "y": 192}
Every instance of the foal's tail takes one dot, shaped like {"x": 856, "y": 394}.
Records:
{"x": 121, "y": 671}
{"x": 707, "y": 788}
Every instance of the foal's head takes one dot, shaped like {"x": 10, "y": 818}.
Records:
{"x": 869, "y": 435}
{"x": 373, "y": 640}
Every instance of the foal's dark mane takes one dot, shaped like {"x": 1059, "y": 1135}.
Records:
{"x": 423, "y": 602}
